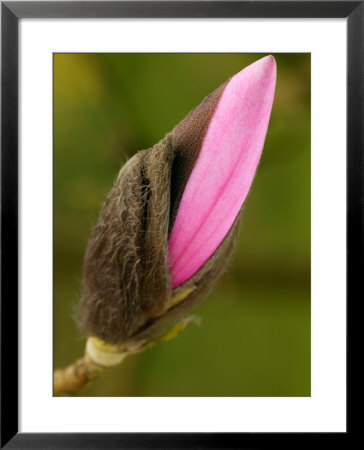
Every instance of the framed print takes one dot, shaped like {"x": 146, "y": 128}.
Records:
{"x": 203, "y": 86}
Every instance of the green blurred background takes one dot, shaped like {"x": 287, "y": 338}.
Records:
{"x": 254, "y": 336}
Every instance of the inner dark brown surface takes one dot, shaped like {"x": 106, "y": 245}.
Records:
{"x": 187, "y": 139}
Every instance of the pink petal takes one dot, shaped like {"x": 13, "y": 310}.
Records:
{"x": 224, "y": 170}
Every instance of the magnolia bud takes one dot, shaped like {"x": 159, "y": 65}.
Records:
{"x": 169, "y": 225}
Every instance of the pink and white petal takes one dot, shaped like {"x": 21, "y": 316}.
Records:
{"x": 224, "y": 170}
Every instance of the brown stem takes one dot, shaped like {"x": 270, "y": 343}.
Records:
{"x": 99, "y": 356}
{"x": 76, "y": 375}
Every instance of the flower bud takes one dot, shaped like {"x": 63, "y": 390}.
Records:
{"x": 168, "y": 227}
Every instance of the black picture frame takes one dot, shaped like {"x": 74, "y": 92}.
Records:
{"x": 11, "y": 12}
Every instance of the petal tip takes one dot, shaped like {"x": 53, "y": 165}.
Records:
{"x": 263, "y": 68}
{"x": 270, "y": 65}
